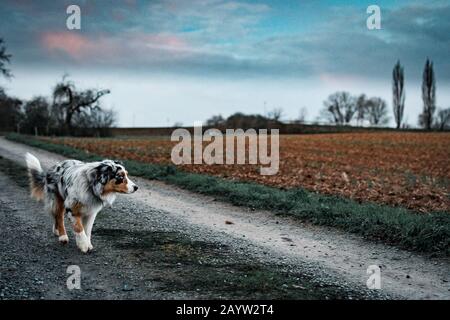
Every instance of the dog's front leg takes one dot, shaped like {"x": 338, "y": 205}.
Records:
{"x": 88, "y": 224}
{"x": 80, "y": 234}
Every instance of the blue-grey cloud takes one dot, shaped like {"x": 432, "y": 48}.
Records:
{"x": 226, "y": 38}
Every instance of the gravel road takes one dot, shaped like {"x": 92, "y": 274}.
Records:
{"x": 166, "y": 243}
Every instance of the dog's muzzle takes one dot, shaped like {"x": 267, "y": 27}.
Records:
{"x": 132, "y": 187}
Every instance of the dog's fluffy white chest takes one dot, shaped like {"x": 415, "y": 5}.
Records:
{"x": 109, "y": 199}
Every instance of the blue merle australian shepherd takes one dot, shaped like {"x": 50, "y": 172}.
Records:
{"x": 79, "y": 189}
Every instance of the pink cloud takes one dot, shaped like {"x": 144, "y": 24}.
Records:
{"x": 138, "y": 46}
{"x": 73, "y": 44}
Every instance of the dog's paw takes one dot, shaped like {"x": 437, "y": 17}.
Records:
{"x": 55, "y": 231}
{"x": 64, "y": 239}
{"x": 90, "y": 246}
{"x": 83, "y": 247}
{"x": 82, "y": 242}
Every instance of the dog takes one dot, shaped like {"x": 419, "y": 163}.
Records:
{"x": 79, "y": 189}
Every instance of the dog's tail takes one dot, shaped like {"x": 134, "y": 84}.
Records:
{"x": 37, "y": 176}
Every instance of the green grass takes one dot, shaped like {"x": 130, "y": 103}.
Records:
{"x": 428, "y": 233}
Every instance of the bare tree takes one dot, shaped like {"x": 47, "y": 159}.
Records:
{"x": 302, "y": 115}
{"x": 37, "y": 116}
{"x": 361, "y": 109}
{"x": 377, "y": 111}
{"x": 428, "y": 96}
{"x": 340, "y": 108}
{"x": 215, "y": 121}
{"x": 398, "y": 93}
{"x": 239, "y": 120}
{"x": 5, "y": 58}
{"x": 94, "y": 122}
{"x": 72, "y": 101}
{"x": 276, "y": 114}
{"x": 96, "y": 118}
{"x": 443, "y": 119}
{"x": 11, "y": 115}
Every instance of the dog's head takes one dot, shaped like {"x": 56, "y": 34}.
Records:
{"x": 111, "y": 177}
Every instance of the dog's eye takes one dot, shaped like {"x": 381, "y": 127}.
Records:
{"x": 119, "y": 179}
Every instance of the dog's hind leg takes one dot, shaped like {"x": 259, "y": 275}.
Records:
{"x": 59, "y": 228}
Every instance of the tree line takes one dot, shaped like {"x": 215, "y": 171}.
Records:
{"x": 342, "y": 108}
{"x": 69, "y": 111}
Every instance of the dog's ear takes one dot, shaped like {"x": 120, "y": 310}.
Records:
{"x": 118, "y": 162}
{"x": 105, "y": 172}
{"x": 94, "y": 183}
{"x": 99, "y": 176}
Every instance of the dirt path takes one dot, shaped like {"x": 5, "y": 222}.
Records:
{"x": 320, "y": 257}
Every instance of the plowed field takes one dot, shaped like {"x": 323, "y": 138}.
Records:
{"x": 411, "y": 170}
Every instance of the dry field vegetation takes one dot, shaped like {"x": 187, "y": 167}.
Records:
{"x": 410, "y": 170}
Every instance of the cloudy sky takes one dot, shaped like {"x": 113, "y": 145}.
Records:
{"x": 181, "y": 61}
